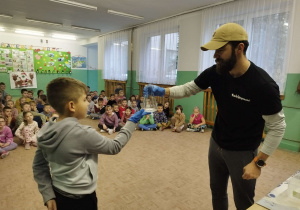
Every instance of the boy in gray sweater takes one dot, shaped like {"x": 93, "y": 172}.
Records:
{"x": 65, "y": 165}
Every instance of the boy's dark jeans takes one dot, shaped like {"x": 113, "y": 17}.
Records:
{"x": 88, "y": 202}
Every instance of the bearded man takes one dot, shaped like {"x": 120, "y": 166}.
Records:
{"x": 248, "y": 99}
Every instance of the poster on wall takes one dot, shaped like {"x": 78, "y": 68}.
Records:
{"x": 19, "y": 80}
{"x": 52, "y": 61}
{"x": 78, "y": 62}
{"x": 16, "y": 60}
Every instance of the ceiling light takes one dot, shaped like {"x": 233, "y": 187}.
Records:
{"x": 87, "y": 29}
{"x": 62, "y": 36}
{"x": 6, "y": 16}
{"x": 43, "y": 22}
{"x": 28, "y": 32}
{"x": 75, "y": 4}
{"x": 2, "y": 29}
{"x": 124, "y": 14}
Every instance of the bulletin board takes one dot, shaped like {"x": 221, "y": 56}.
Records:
{"x": 21, "y": 58}
{"x": 52, "y": 62}
{"x": 16, "y": 60}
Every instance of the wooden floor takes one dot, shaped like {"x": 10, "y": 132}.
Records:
{"x": 156, "y": 170}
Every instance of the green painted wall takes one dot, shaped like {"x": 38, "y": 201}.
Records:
{"x": 188, "y": 104}
{"x": 291, "y": 107}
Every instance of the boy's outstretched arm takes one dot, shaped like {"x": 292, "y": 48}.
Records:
{"x": 42, "y": 176}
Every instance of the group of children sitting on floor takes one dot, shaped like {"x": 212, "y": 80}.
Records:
{"x": 24, "y": 117}
{"x": 115, "y": 112}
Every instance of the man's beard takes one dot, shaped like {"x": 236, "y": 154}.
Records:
{"x": 226, "y": 66}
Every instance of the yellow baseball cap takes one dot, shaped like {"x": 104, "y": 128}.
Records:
{"x": 224, "y": 34}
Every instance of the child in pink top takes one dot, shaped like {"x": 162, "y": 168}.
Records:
{"x": 27, "y": 131}
{"x": 197, "y": 121}
{"x": 6, "y": 139}
{"x": 126, "y": 116}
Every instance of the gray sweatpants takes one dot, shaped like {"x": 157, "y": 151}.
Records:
{"x": 224, "y": 163}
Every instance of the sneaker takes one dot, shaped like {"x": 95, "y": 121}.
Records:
{"x": 102, "y": 131}
{"x": 153, "y": 129}
{"x": 110, "y": 131}
{"x": 27, "y": 146}
{"x": 34, "y": 144}
{"x": 4, "y": 154}
{"x": 93, "y": 118}
{"x": 202, "y": 131}
{"x": 189, "y": 130}
{"x": 142, "y": 129}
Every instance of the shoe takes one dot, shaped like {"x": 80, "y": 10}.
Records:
{"x": 142, "y": 129}
{"x": 153, "y": 129}
{"x": 189, "y": 130}
{"x": 93, "y": 118}
{"x": 4, "y": 154}
{"x": 202, "y": 131}
{"x": 162, "y": 128}
{"x": 110, "y": 131}
{"x": 102, "y": 131}
{"x": 27, "y": 146}
{"x": 34, "y": 144}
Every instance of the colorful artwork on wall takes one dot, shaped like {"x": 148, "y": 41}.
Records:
{"x": 78, "y": 62}
{"x": 52, "y": 62}
{"x": 19, "y": 80}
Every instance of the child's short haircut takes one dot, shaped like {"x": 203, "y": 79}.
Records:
{"x": 179, "y": 107}
{"x": 2, "y": 83}
{"x": 129, "y": 108}
{"x": 10, "y": 101}
{"x": 23, "y": 90}
{"x": 124, "y": 99}
{"x": 115, "y": 105}
{"x": 38, "y": 92}
{"x": 63, "y": 90}
{"x": 100, "y": 99}
{"x": 25, "y": 103}
{"x": 121, "y": 91}
{"x": 46, "y": 105}
{"x": 160, "y": 105}
{"x": 30, "y": 91}
{"x": 102, "y": 91}
{"x": 196, "y": 107}
{"x": 112, "y": 95}
{"x": 6, "y": 108}
{"x": 108, "y": 106}
{"x": 7, "y": 96}
{"x": 32, "y": 102}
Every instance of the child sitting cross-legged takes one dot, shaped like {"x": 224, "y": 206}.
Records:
{"x": 27, "y": 131}
{"x": 147, "y": 123}
{"x": 6, "y": 139}
{"x": 160, "y": 118}
{"x": 65, "y": 165}
{"x": 109, "y": 121}
{"x": 126, "y": 116}
{"x": 99, "y": 109}
{"x": 178, "y": 120}
{"x": 197, "y": 121}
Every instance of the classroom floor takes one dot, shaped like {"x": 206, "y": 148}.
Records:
{"x": 156, "y": 170}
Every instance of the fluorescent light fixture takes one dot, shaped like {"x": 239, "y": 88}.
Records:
{"x": 124, "y": 15}
{"x": 2, "y": 29}
{"x": 75, "y": 4}
{"x": 6, "y": 16}
{"x": 84, "y": 28}
{"x": 28, "y": 32}
{"x": 62, "y": 36}
{"x": 43, "y": 22}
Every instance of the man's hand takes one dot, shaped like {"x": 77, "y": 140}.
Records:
{"x": 153, "y": 90}
{"x": 51, "y": 204}
{"x": 251, "y": 171}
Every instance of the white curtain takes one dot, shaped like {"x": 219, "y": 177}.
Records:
{"x": 116, "y": 55}
{"x": 268, "y": 23}
{"x": 156, "y": 52}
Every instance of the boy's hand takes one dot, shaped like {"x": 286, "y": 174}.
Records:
{"x": 138, "y": 115}
{"x": 153, "y": 90}
{"x": 51, "y": 204}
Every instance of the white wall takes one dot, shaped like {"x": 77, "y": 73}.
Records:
{"x": 294, "y": 61}
{"x": 65, "y": 45}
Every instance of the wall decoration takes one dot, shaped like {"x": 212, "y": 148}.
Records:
{"x": 19, "y": 80}
{"x": 78, "y": 62}
{"x": 52, "y": 61}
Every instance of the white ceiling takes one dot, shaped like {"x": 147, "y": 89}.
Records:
{"x": 46, "y": 10}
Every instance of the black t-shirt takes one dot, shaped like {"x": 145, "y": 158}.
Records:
{"x": 241, "y": 103}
